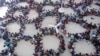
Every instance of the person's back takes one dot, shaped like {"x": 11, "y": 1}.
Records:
{"x": 1, "y": 54}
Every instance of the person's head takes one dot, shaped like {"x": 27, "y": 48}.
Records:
{"x": 87, "y": 54}
{"x": 2, "y": 51}
{"x": 4, "y": 45}
{"x": 80, "y": 53}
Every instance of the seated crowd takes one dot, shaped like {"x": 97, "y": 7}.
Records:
{"x": 11, "y": 39}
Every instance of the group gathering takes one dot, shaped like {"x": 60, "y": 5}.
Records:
{"x": 53, "y": 27}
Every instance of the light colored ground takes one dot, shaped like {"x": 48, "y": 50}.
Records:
{"x": 3, "y": 11}
{"x": 24, "y": 48}
{"x": 39, "y": 1}
{"x": 66, "y": 52}
{"x": 8, "y": 0}
{"x": 77, "y": 1}
{"x": 1, "y": 44}
{"x": 18, "y": 13}
{"x": 66, "y": 1}
{"x": 69, "y": 11}
{"x": 55, "y": 1}
{"x": 50, "y": 42}
{"x": 33, "y": 14}
{"x": 30, "y": 30}
{"x": 49, "y": 20}
{"x": 74, "y": 28}
{"x": 22, "y": 4}
{"x": 48, "y": 8}
{"x": 95, "y": 20}
{"x": 93, "y": 6}
{"x": 84, "y": 47}
{"x": 13, "y": 27}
